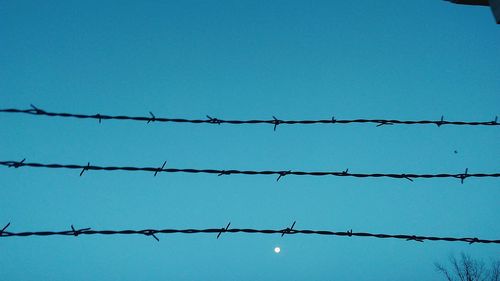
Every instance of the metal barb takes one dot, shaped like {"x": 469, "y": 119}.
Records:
{"x": 288, "y": 230}
{"x": 406, "y": 177}
{"x": 282, "y": 174}
{"x": 224, "y": 172}
{"x": 345, "y": 172}
{"x": 494, "y": 122}
{"x": 99, "y": 117}
{"x": 151, "y": 233}
{"x": 441, "y": 122}
{"x": 36, "y": 110}
{"x": 223, "y": 230}
{"x": 85, "y": 169}
{"x": 153, "y": 118}
{"x": 382, "y": 123}
{"x": 276, "y": 122}
{"x": 79, "y": 231}
{"x": 4, "y": 228}
{"x": 17, "y": 164}
{"x": 333, "y": 119}
{"x": 414, "y": 238}
{"x": 160, "y": 169}
{"x": 464, "y": 176}
{"x": 473, "y": 240}
{"x": 213, "y": 120}
{"x": 349, "y": 233}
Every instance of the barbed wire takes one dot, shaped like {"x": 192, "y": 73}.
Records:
{"x": 275, "y": 121}
{"x": 285, "y": 231}
{"x": 280, "y": 174}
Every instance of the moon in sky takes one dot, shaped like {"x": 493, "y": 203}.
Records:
{"x": 277, "y": 250}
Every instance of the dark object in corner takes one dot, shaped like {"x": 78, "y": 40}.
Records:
{"x": 493, "y": 4}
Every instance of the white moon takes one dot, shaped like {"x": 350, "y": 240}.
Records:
{"x": 277, "y": 250}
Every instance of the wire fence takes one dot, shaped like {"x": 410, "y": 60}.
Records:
{"x": 285, "y": 231}
{"x": 280, "y": 174}
{"x": 274, "y": 122}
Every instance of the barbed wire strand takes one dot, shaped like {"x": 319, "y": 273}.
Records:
{"x": 280, "y": 174}
{"x": 218, "y": 231}
{"x": 275, "y": 121}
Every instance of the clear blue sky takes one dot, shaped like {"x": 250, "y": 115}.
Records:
{"x": 242, "y": 60}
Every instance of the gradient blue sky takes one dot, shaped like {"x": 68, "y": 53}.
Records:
{"x": 242, "y": 60}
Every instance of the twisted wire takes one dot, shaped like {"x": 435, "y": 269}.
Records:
{"x": 280, "y": 174}
{"x": 275, "y": 121}
{"x": 286, "y": 231}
